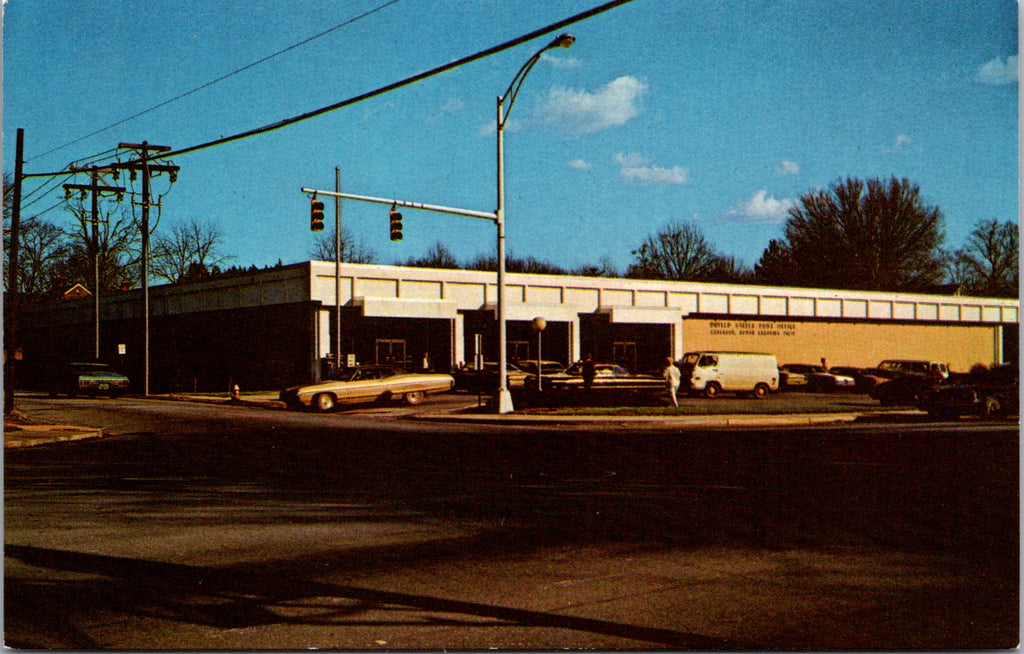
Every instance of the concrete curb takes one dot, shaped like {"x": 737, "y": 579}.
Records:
{"x": 16, "y": 436}
{"x": 724, "y": 420}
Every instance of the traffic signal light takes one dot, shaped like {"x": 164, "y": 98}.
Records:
{"x": 316, "y": 215}
{"x": 396, "y": 225}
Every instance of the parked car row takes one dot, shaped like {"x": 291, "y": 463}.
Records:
{"x": 925, "y": 384}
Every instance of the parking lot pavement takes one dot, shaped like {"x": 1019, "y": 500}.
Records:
{"x": 467, "y": 409}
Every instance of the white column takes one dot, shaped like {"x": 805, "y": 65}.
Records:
{"x": 677, "y": 340}
{"x": 574, "y": 341}
{"x": 458, "y": 340}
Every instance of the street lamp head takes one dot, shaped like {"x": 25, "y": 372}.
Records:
{"x": 562, "y": 41}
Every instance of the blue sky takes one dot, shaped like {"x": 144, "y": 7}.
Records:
{"x": 721, "y": 114}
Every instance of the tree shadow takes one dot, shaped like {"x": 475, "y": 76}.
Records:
{"x": 226, "y": 598}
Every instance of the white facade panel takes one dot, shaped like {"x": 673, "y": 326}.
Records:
{"x": 651, "y": 299}
{"x": 801, "y": 306}
{"x": 855, "y": 309}
{"x": 420, "y": 290}
{"x": 927, "y": 311}
{"x": 713, "y": 303}
{"x": 903, "y": 310}
{"x": 949, "y": 312}
{"x": 880, "y": 310}
{"x": 970, "y": 313}
{"x": 774, "y": 306}
{"x": 745, "y": 304}
{"x": 830, "y": 308}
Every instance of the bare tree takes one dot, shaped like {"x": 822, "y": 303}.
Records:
{"x": 989, "y": 263}
{"x": 679, "y": 251}
{"x": 43, "y": 249}
{"x": 118, "y": 247}
{"x": 438, "y": 256}
{"x": 187, "y": 252}
{"x": 351, "y": 250}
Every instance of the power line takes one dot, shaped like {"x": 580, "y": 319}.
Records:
{"x": 222, "y": 77}
{"x": 407, "y": 81}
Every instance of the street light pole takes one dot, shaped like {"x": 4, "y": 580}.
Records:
{"x": 504, "y": 398}
{"x": 337, "y": 272}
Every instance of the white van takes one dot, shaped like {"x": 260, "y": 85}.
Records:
{"x": 741, "y": 372}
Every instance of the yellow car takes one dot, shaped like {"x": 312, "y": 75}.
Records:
{"x": 367, "y": 384}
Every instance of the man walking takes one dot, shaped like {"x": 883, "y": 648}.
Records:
{"x": 672, "y": 376}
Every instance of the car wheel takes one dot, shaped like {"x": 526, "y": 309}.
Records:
{"x": 761, "y": 391}
{"x": 712, "y": 390}
{"x": 414, "y": 397}
{"x": 323, "y": 402}
{"x": 993, "y": 407}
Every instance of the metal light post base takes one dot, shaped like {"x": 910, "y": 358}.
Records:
{"x": 504, "y": 401}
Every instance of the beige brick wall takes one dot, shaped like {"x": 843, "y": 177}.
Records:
{"x": 847, "y": 343}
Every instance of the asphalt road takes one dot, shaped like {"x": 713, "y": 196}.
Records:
{"x": 195, "y": 526}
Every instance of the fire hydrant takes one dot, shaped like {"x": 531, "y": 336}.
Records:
{"x": 235, "y": 392}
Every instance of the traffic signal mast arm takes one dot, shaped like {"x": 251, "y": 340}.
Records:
{"x": 493, "y": 217}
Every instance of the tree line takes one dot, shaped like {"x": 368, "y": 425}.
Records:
{"x": 876, "y": 235}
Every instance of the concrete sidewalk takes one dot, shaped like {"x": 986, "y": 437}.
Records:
{"x": 16, "y": 436}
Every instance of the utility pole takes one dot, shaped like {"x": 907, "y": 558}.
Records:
{"x": 146, "y": 168}
{"x": 96, "y": 189}
{"x": 11, "y": 324}
{"x": 337, "y": 271}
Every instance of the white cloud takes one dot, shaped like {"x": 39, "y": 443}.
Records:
{"x": 580, "y": 164}
{"x": 998, "y": 71}
{"x": 787, "y": 167}
{"x": 634, "y": 168}
{"x": 901, "y": 141}
{"x": 763, "y": 208}
{"x": 560, "y": 62}
{"x": 583, "y": 112}
{"x": 453, "y": 106}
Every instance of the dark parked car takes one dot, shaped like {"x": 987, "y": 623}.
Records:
{"x": 992, "y": 393}
{"x": 910, "y": 380}
{"x": 469, "y": 379}
{"x": 861, "y": 382}
{"x": 87, "y": 379}
{"x": 608, "y": 376}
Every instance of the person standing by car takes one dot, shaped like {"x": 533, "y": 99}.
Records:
{"x": 672, "y": 377}
{"x": 589, "y": 370}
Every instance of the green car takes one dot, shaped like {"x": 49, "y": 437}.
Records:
{"x": 88, "y": 379}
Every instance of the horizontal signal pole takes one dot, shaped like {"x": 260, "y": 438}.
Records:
{"x": 469, "y": 213}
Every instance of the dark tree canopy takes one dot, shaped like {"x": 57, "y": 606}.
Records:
{"x": 874, "y": 235}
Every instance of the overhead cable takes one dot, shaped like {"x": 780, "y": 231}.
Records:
{"x": 221, "y": 78}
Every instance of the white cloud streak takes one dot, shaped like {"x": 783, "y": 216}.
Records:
{"x": 787, "y": 167}
{"x": 998, "y": 72}
{"x": 583, "y": 112}
{"x": 635, "y": 168}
